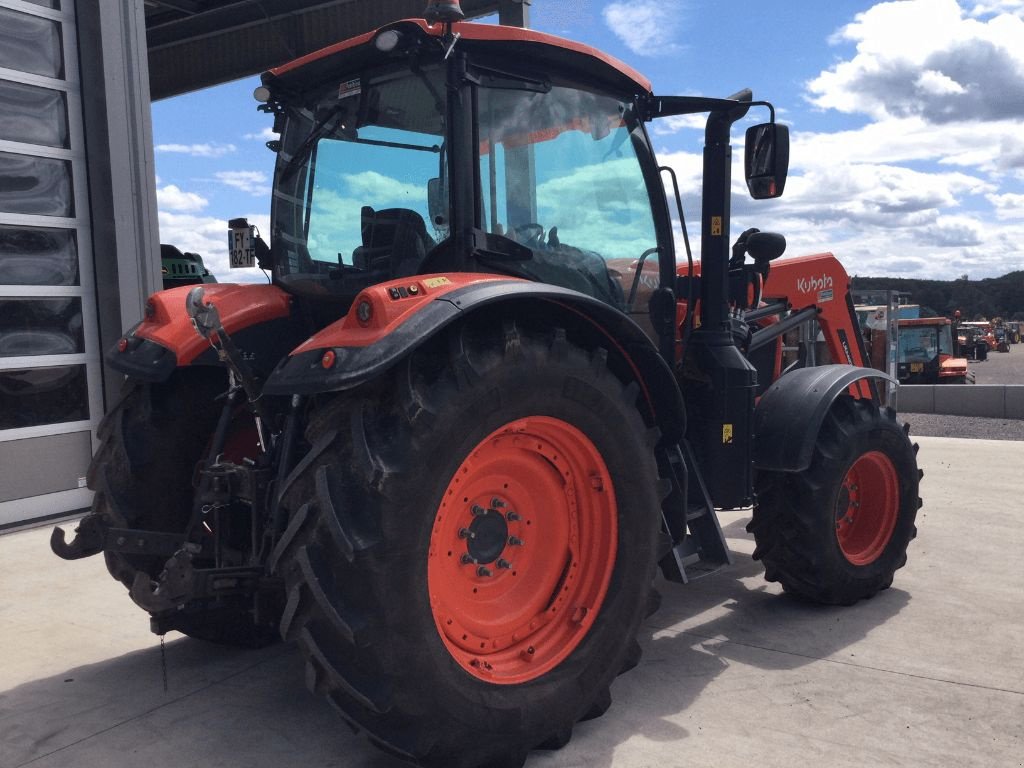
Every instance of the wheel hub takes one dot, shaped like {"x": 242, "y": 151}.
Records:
{"x": 487, "y": 536}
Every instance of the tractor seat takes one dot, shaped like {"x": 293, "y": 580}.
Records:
{"x": 395, "y": 240}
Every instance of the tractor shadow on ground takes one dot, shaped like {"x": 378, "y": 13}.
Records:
{"x": 733, "y": 617}
{"x": 231, "y": 707}
{"x": 222, "y": 707}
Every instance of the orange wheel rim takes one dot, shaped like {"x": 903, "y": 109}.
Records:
{"x": 522, "y": 550}
{"x": 867, "y": 508}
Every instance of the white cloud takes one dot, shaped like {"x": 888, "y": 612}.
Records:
{"x": 647, "y": 27}
{"x": 267, "y": 134}
{"x": 997, "y": 7}
{"x": 197, "y": 150}
{"x": 676, "y": 123}
{"x": 385, "y": 191}
{"x": 171, "y": 198}
{"x": 256, "y": 183}
{"x": 927, "y": 58}
{"x": 1008, "y": 206}
{"x": 991, "y": 147}
{"x": 878, "y": 219}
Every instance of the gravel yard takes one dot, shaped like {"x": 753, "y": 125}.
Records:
{"x": 999, "y": 368}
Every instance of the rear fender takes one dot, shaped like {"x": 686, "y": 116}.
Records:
{"x": 789, "y": 415}
{"x": 390, "y": 320}
{"x": 258, "y": 318}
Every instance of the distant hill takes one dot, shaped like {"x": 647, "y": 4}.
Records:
{"x": 976, "y": 299}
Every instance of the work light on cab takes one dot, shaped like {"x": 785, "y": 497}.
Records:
{"x": 444, "y": 11}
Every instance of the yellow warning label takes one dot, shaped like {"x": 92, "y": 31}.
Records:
{"x": 716, "y": 226}
{"x": 436, "y": 282}
{"x": 726, "y": 434}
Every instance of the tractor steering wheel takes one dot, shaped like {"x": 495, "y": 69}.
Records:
{"x": 530, "y": 234}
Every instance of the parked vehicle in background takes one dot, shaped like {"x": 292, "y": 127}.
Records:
{"x": 983, "y": 331}
{"x": 925, "y": 353}
{"x": 1012, "y": 331}
{"x": 180, "y": 268}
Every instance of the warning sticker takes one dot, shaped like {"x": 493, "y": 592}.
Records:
{"x": 716, "y": 226}
{"x": 350, "y": 88}
{"x": 824, "y": 296}
{"x": 727, "y": 434}
{"x": 436, "y": 282}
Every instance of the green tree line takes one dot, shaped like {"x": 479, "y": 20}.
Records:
{"x": 976, "y": 299}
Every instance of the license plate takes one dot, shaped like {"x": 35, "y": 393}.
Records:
{"x": 916, "y": 367}
{"x": 241, "y": 247}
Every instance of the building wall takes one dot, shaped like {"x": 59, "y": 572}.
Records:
{"x": 78, "y": 235}
{"x": 50, "y": 378}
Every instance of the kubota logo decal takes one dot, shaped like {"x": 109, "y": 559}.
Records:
{"x": 809, "y": 284}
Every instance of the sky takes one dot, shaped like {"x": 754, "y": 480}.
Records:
{"x": 906, "y": 121}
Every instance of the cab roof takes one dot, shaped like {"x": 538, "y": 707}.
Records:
{"x": 554, "y": 55}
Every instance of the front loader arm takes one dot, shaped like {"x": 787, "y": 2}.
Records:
{"x": 820, "y": 282}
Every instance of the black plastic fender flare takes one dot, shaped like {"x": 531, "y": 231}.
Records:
{"x": 302, "y": 374}
{"x": 789, "y": 415}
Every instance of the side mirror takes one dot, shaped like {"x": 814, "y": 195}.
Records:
{"x": 767, "y": 160}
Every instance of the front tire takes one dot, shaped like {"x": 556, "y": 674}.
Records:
{"x": 471, "y": 552}
{"x": 838, "y": 531}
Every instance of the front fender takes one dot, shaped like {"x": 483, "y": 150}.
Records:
{"x": 388, "y": 321}
{"x": 789, "y": 415}
{"x": 165, "y": 339}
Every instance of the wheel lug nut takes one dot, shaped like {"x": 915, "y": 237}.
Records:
{"x": 512, "y": 516}
{"x": 497, "y": 503}
{"x": 515, "y": 541}
{"x": 503, "y": 563}
{"x": 477, "y": 510}
{"x": 483, "y": 571}
{"x": 467, "y": 559}
{"x": 465, "y": 533}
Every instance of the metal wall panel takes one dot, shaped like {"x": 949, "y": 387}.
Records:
{"x": 50, "y": 373}
{"x": 43, "y": 465}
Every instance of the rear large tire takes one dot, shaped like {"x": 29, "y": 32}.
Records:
{"x": 472, "y": 547}
{"x": 142, "y": 474}
{"x": 837, "y": 532}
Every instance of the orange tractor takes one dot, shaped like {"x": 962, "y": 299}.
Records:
{"x": 482, "y": 402}
{"x": 925, "y": 353}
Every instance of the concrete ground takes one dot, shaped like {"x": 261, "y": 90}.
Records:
{"x": 928, "y": 673}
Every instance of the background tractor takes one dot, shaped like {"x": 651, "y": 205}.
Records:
{"x": 486, "y": 397}
{"x": 925, "y": 354}
{"x": 179, "y": 268}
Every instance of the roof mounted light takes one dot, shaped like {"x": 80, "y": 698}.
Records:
{"x": 388, "y": 40}
{"x": 261, "y": 94}
{"x": 445, "y": 11}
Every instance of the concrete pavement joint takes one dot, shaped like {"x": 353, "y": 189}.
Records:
{"x": 726, "y": 641}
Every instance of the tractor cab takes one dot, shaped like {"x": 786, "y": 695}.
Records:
{"x": 462, "y": 148}
{"x": 436, "y": 148}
